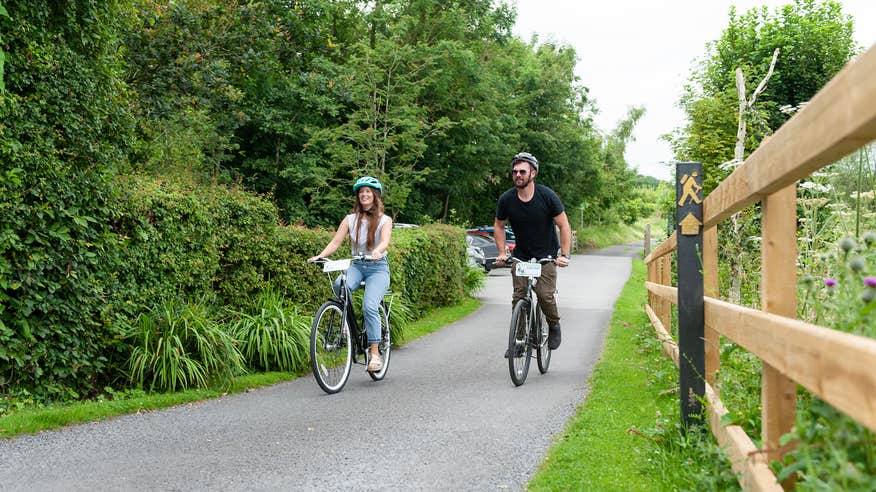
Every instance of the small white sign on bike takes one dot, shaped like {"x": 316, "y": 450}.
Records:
{"x": 335, "y": 265}
{"x": 529, "y": 269}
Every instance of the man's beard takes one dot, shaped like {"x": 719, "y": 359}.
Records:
{"x": 525, "y": 183}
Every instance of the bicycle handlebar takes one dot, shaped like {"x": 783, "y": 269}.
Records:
{"x": 512, "y": 259}
{"x": 320, "y": 261}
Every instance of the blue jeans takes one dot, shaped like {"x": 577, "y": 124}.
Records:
{"x": 376, "y": 276}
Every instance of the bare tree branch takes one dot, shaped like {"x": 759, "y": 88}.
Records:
{"x": 763, "y": 82}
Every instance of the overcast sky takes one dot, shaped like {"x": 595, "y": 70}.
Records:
{"x": 640, "y": 52}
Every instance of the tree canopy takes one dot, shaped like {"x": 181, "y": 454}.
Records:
{"x": 432, "y": 97}
{"x": 814, "y": 40}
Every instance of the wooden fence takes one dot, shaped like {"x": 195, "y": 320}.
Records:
{"x": 836, "y": 366}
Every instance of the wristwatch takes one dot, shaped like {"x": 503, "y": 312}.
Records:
{"x": 567, "y": 256}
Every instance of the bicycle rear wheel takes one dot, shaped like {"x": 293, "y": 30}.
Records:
{"x": 385, "y": 346}
{"x": 519, "y": 348}
{"x": 331, "y": 349}
{"x": 542, "y": 351}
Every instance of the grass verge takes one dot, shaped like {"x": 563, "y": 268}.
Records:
{"x": 599, "y": 449}
{"x": 32, "y": 420}
{"x": 627, "y": 435}
{"x": 603, "y": 236}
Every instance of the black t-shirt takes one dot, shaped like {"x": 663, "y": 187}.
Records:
{"x": 532, "y": 221}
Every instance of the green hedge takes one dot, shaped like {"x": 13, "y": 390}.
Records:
{"x": 428, "y": 265}
{"x": 172, "y": 241}
{"x": 63, "y": 129}
{"x": 83, "y": 252}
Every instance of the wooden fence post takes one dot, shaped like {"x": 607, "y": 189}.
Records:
{"x": 689, "y": 233}
{"x": 710, "y": 289}
{"x": 648, "y": 265}
{"x": 778, "y": 296}
{"x": 647, "y": 239}
{"x": 665, "y": 278}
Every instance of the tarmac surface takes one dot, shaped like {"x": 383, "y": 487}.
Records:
{"x": 446, "y": 417}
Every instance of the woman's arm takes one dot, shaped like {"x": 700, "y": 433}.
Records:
{"x": 335, "y": 243}
{"x": 385, "y": 234}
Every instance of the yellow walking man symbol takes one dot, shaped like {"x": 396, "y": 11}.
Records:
{"x": 689, "y": 189}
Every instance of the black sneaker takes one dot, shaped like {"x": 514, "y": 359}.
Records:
{"x": 554, "y": 336}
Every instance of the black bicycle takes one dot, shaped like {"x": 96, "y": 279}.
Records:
{"x": 529, "y": 330}
{"x": 333, "y": 347}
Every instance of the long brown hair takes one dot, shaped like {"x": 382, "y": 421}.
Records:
{"x": 372, "y": 216}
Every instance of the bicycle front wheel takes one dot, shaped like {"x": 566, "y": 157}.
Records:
{"x": 542, "y": 351}
{"x": 385, "y": 346}
{"x": 519, "y": 348}
{"x": 331, "y": 349}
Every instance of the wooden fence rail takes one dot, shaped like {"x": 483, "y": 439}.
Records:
{"x": 835, "y": 366}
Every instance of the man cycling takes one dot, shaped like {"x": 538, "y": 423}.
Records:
{"x": 533, "y": 210}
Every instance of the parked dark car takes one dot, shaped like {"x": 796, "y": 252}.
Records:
{"x": 479, "y": 248}
{"x": 487, "y": 231}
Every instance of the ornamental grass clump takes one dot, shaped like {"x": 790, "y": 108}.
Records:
{"x": 401, "y": 315}
{"x": 272, "y": 336}
{"x": 179, "y": 346}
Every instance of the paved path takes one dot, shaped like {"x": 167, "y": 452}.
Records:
{"x": 447, "y": 417}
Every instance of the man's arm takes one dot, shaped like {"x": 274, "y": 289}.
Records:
{"x": 562, "y": 221}
{"x": 499, "y": 237}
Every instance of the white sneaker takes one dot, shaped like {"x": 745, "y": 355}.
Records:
{"x": 375, "y": 363}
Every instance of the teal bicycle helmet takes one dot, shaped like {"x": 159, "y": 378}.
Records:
{"x": 367, "y": 181}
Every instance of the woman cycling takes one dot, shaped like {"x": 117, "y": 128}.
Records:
{"x": 369, "y": 230}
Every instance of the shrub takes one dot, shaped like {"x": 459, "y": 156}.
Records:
{"x": 427, "y": 265}
{"x": 59, "y": 330}
{"x": 833, "y": 451}
{"x": 474, "y": 280}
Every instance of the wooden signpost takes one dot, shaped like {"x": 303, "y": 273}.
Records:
{"x": 689, "y": 217}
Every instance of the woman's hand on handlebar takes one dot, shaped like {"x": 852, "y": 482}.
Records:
{"x": 314, "y": 259}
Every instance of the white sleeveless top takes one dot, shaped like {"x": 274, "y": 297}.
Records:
{"x": 359, "y": 239}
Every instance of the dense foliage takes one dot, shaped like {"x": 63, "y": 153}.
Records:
{"x": 133, "y": 134}
{"x": 64, "y": 125}
{"x": 431, "y": 97}
{"x": 814, "y": 39}
{"x": 830, "y": 451}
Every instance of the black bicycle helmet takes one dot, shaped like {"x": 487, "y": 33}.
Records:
{"x": 526, "y": 157}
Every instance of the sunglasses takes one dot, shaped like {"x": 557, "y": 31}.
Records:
{"x": 519, "y": 171}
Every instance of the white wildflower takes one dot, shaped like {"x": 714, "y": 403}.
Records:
{"x": 866, "y": 195}
{"x": 818, "y": 187}
{"x": 823, "y": 174}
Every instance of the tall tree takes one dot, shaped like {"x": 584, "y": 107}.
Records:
{"x": 815, "y": 42}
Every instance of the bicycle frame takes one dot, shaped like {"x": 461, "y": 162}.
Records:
{"x": 345, "y": 298}
{"x": 530, "y": 295}
{"x": 528, "y": 332}
{"x": 341, "y": 341}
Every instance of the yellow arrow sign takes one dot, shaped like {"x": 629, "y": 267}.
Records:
{"x": 690, "y": 225}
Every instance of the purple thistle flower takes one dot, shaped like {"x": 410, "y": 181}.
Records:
{"x": 870, "y": 282}
{"x": 830, "y": 282}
